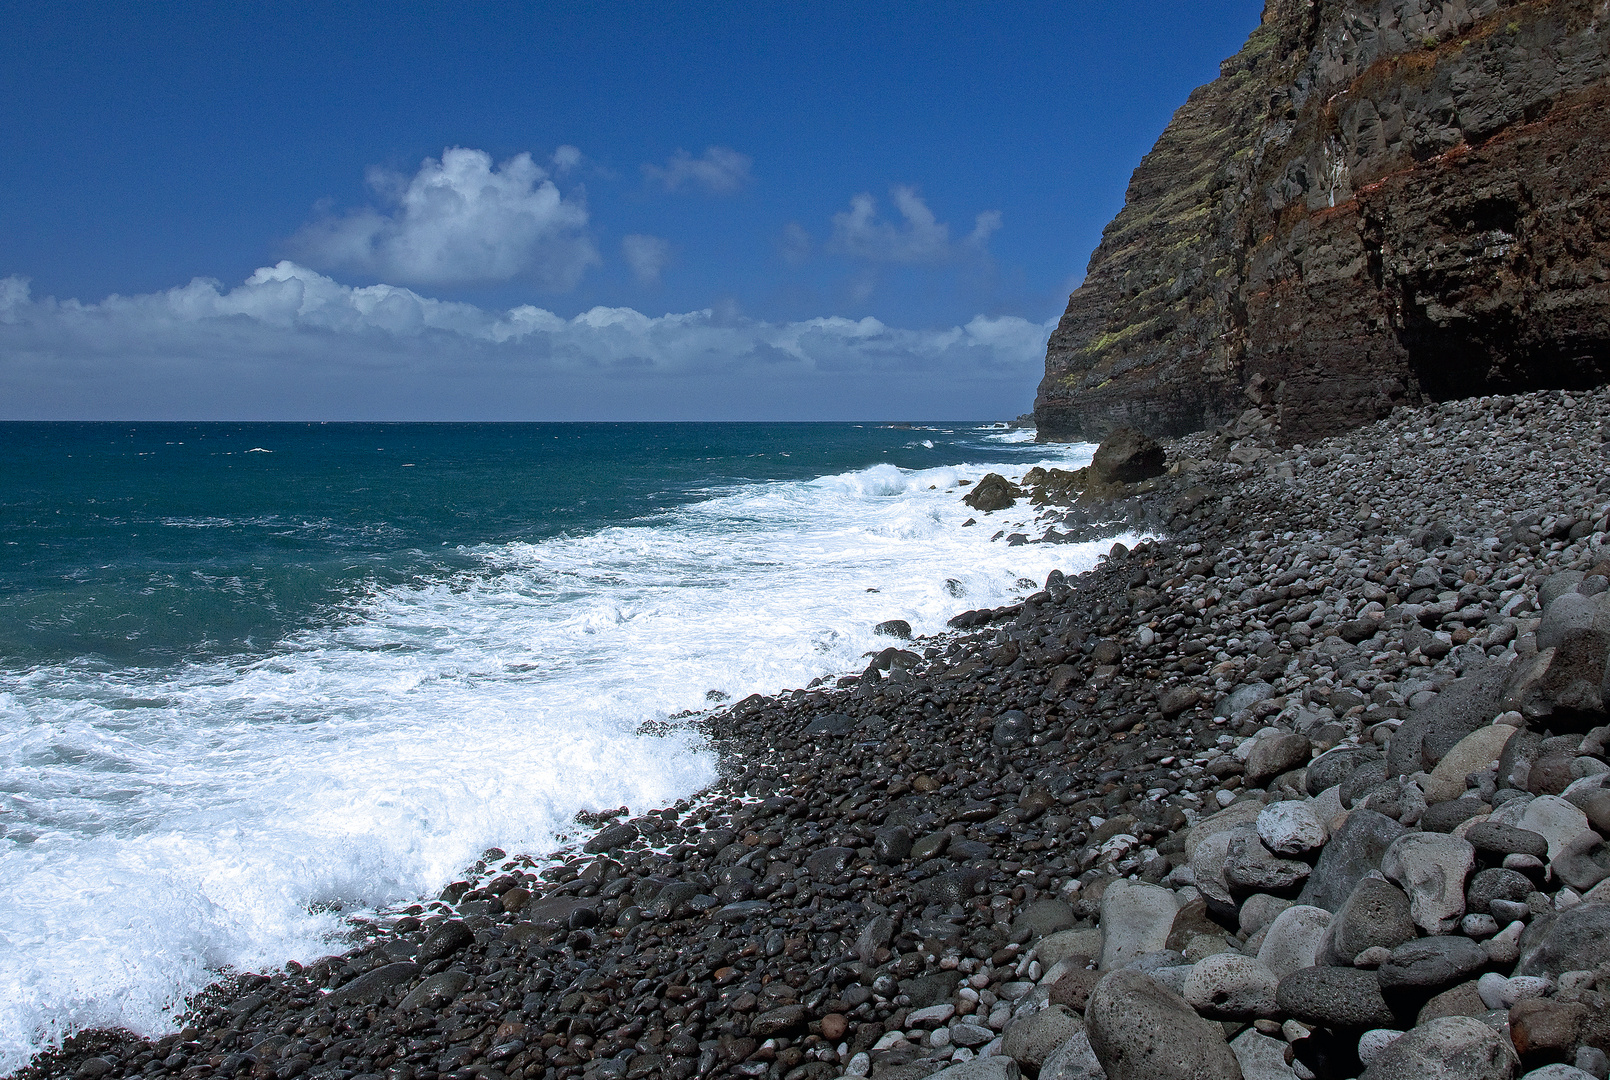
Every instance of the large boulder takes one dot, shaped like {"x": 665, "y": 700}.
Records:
{"x": 1228, "y": 986}
{"x": 1447, "y": 1048}
{"x": 1432, "y": 868}
{"x": 1334, "y": 997}
{"x": 996, "y": 1067}
{"x": 1073, "y": 1060}
{"x": 1274, "y": 754}
{"x": 994, "y": 492}
{"x": 1141, "y": 1030}
{"x": 1577, "y": 939}
{"x": 1568, "y": 671}
{"x": 1557, "y": 821}
{"x": 1261, "y": 1057}
{"x": 1127, "y": 456}
{"x": 1464, "y": 705}
{"x": 1354, "y": 850}
{"x": 1294, "y": 939}
{"x": 372, "y": 985}
{"x": 1135, "y": 920}
{"x": 1030, "y": 1039}
{"x": 1375, "y": 914}
{"x": 1476, "y": 752}
{"x": 1333, "y": 766}
{"x": 1431, "y": 964}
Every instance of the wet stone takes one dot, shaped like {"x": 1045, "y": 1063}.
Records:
{"x": 444, "y": 941}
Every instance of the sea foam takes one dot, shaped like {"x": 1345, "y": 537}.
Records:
{"x": 164, "y": 825}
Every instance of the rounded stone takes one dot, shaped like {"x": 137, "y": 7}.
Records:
{"x": 891, "y": 843}
{"x": 1143, "y": 1031}
{"x": 1375, "y": 915}
{"x": 1334, "y": 997}
{"x": 1373, "y": 1041}
{"x": 1493, "y": 838}
{"x": 1293, "y": 939}
{"x": 1556, "y": 820}
{"x": 1261, "y": 1057}
{"x": 1073, "y": 1060}
{"x": 1432, "y": 868}
{"x": 1447, "y": 1048}
{"x": 1431, "y": 964}
{"x": 1583, "y": 862}
{"x": 1354, "y": 849}
{"x": 1274, "y": 754}
{"x": 1227, "y": 986}
{"x": 1251, "y": 867}
{"x": 1030, "y": 1039}
{"x": 1559, "y": 1071}
{"x": 1496, "y": 883}
{"x": 1258, "y": 911}
{"x": 1135, "y": 920}
{"x": 1574, "y": 940}
{"x": 1290, "y": 827}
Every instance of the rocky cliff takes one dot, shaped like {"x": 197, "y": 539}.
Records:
{"x": 1376, "y": 203}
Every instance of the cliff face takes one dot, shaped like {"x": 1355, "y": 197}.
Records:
{"x": 1374, "y": 204}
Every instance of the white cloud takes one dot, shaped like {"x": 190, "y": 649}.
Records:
{"x": 566, "y": 158}
{"x": 646, "y": 255}
{"x": 861, "y": 234}
{"x": 293, "y": 343}
{"x": 721, "y": 171}
{"x": 460, "y": 219}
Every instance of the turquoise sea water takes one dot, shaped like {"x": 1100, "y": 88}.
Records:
{"x": 251, "y": 673}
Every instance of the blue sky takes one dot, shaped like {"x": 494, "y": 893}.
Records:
{"x": 564, "y": 211}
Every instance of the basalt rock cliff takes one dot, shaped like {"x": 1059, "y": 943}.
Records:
{"x": 1376, "y": 203}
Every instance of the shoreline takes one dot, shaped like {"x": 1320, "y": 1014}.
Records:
{"x": 878, "y": 853}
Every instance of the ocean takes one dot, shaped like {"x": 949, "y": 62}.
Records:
{"x": 255, "y": 678}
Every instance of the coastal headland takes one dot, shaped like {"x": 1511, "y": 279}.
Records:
{"x": 1311, "y": 784}
{"x": 1377, "y": 202}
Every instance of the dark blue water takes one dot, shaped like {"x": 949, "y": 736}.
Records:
{"x": 151, "y": 543}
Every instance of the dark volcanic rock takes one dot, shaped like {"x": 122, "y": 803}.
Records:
{"x": 1335, "y": 997}
{"x": 1354, "y": 214}
{"x": 994, "y": 492}
{"x": 1127, "y": 456}
{"x": 926, "y": 860}
{"x": 1574, "y": 940}
{"x": 1432, "y": 963}
{"x": 1354, "y": 850}
{"x": 446, "y": 940}
{"x": 1141, "y": 1030}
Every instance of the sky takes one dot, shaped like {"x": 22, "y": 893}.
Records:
{"x": 565, "y": 211}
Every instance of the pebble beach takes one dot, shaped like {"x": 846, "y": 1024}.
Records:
{"x": 1312, "y": 782}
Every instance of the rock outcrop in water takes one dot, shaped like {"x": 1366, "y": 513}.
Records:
{"x": 1377, "y": 202}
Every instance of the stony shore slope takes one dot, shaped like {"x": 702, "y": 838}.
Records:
{"x": 1309, "y": 785}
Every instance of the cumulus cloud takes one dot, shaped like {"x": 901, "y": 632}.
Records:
{"x": 861, "y": 233}
{"x": 461, "y": 219}
{"x": 646, "y": 255}
{"x": 293, "y": 343}
{"x": 720, "y": 171}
